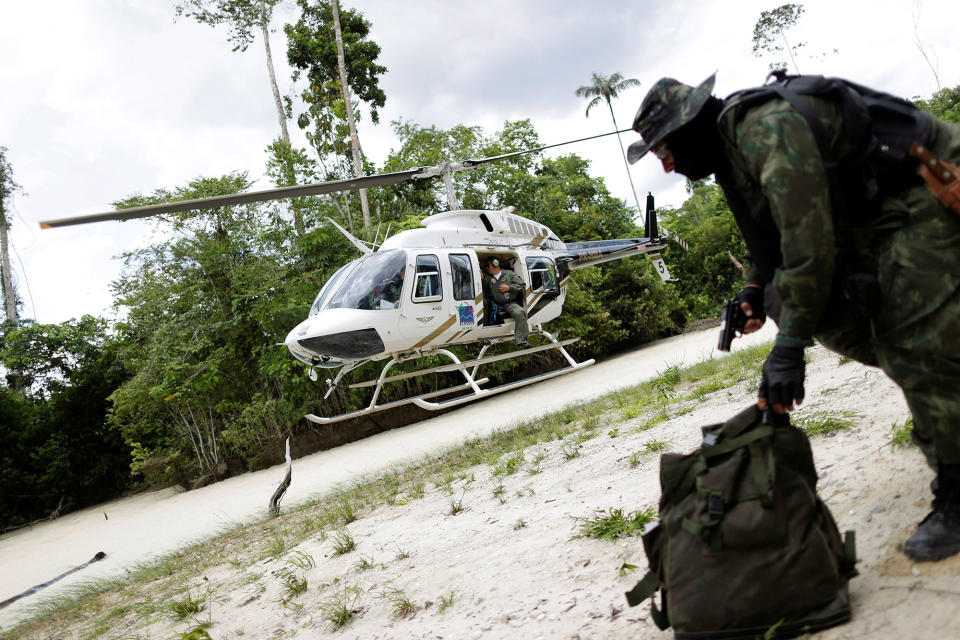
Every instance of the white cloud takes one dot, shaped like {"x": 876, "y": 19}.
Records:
{"x": 107, "y": 98}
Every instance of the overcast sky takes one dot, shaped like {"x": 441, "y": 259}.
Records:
{"x": 101, "y": 99}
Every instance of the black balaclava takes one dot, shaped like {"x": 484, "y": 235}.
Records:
{"x": 697, "y": 147}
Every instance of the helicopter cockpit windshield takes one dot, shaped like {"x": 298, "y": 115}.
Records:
{"x": 374, "y": 283}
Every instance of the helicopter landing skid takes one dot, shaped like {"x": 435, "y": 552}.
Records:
{"x": 472, "y": 383}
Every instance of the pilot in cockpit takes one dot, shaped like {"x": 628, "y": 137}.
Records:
{"x": 386, "y": 295}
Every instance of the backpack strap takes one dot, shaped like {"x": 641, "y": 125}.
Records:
{"x": 644, "y": 589}
{"x": 848, "y": 563}
{"x": 647, "y": 588}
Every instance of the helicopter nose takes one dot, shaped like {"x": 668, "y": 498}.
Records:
{"x": 346, "y": 345}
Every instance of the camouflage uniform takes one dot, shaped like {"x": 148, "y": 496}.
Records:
{"x": 512, "y": 301}
{"x": 877, "y": 280}
{"x": 914, "y": 245}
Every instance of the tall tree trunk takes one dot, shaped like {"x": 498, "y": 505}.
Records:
{"x": 624, "y": 155}
{"x": 348, "y": 104}
{"x": 284, "y": 134}
{"x": 9, "y": 294}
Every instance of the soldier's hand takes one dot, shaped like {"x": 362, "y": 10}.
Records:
{"x": 782, "y": 383}
{"x": 751, "y": 303}
{"x": 504, "y": 288}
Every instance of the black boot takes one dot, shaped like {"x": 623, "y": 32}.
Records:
{"x": 938, "y": 536}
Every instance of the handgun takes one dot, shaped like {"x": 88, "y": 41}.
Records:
{"x": 732, "y": 323}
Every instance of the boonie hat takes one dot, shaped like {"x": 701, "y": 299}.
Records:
{"x": 668, "y": 105}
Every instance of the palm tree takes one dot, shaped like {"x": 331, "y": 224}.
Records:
{"x": 606, "y": 88}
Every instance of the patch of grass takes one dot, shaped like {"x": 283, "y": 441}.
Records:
{"x": 199, "y": 632}
{"x": 186, "y": 607}
{"x": 301, "y": 560}
{"x": 652, "y": 421}
{"x": 656, "y": 446}
{"x": 626, "y": 568}
{"x": 666, "y": 381}
{"x": 340, "y": 608}
{"x": 446, "y": 601}
{"x": 821, "y": 422}
{"x": 294, "y": 583}
{"x": 344, "y": 511}
{"x": 512, "y": 464}
{"x": 583, "y": 436}
{"x": 539, "y": 456}
{"x": 635, "y": 459}
{"x": 902, "y": 433}
{"x": 613, "y": 523}
{"x": 343, "y": 542}
{"x": 401, "y": 606}
{"x": 701, "y": 391}
{"x": 417, "y": 489}
{"x": 569, "y": 453}
{"x": 613, "y": 433}
{"x": 456, "y": 505}
{"x": 363, "y": 564}
{"x": 497, "y": 490}
{"x": 276, "y": 547}
{"x": 519, "y": 524}
{"x": 402, "y": 554}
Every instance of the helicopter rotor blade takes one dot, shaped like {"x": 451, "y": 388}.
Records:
{"x": 299, "y": 191}
{"x": 213, "y": 202}
{"x": 476, "y": 162}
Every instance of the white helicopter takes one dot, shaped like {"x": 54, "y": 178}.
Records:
{"x": 420, "y": 291}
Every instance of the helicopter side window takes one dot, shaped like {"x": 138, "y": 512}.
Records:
{"x": 543, "y": 275}
{"x": 427, "y": 287}
{"x": 462, "y": 277}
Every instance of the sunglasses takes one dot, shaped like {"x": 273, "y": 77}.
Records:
{"x": 661, "y": 150}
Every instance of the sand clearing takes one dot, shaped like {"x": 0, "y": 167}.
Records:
{"x": 505, "y": 565}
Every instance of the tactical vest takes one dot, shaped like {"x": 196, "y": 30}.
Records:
{"x": 880, "y": 127}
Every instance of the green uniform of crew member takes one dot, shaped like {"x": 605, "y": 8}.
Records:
{"x": 903, "y": 314}
{"x": 506, "y": 289}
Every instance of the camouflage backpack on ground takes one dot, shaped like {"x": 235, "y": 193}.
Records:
{"x": 744, "y": 548}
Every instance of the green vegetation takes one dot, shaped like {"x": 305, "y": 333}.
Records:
{"x": 446, "y": 601}
{"x": 341, "y": 607}
{"x": 343, "y": 542}
{"x": 656, "y": 446}
{"x": 186, "y": 607}
{"x": 613, "y": 523}
{"x": 902, "y": 433}
{"x": 820, "y": 423}
{"x": 400, "y": 604}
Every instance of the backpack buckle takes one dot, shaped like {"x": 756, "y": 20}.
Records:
{"x": 715, "y": 505}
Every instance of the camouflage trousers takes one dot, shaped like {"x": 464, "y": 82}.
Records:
{"x": 915, "y": 339}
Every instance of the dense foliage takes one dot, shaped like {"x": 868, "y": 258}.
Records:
{"x": 194, "y": 383}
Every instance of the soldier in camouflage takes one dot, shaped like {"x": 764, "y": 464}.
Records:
{"x": 903, "y": 312}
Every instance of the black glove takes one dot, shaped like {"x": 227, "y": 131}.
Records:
{"x": 783, "y": 373}
{"x": 754, "y": 297}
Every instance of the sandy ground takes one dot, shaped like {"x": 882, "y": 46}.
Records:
{"x": 507, "y": 562}
{"x": 134, "y": 529}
